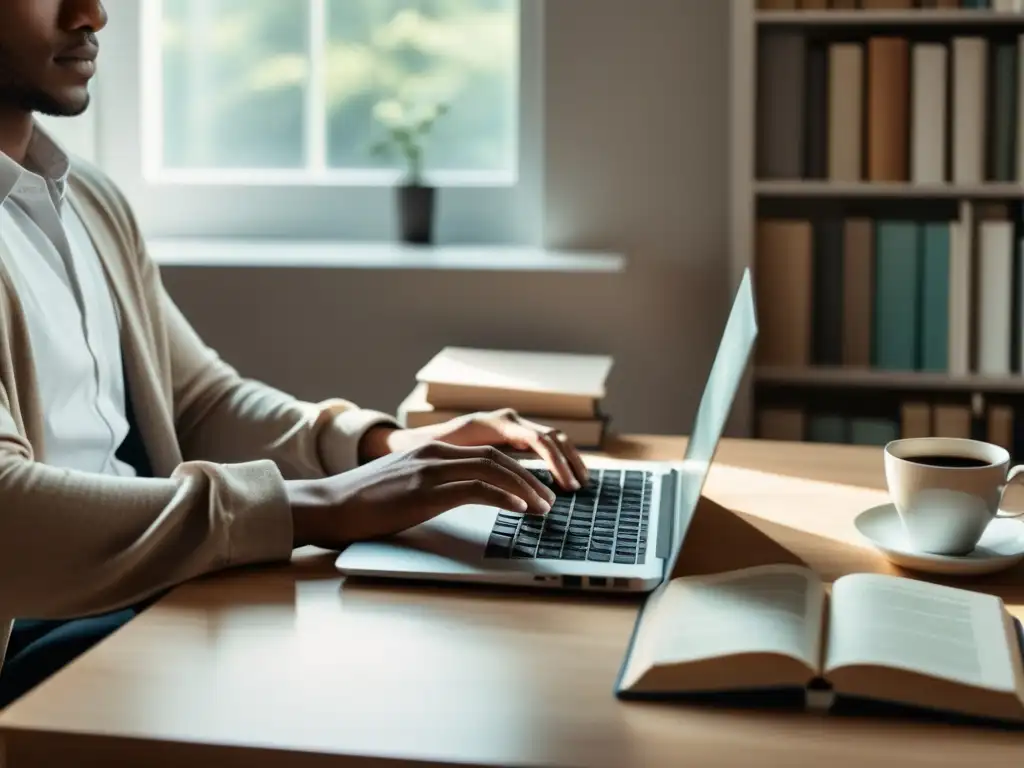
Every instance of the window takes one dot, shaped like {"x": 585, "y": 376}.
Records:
{"x": 259, "y": 117}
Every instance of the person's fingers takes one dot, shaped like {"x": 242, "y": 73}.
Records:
{"x": 451, "y": 495}
{"x": 563, "y": 446}
{"x": 561, "y": 468}
{"x": 579, "y": 469}
{"x": 493, "y": 454}
{"x": 541, "y": 441}
{"x": 494, "y": 473}
{"x": 551, "y": 452}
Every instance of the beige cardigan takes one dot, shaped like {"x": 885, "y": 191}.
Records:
{"x": 75, "y": 544}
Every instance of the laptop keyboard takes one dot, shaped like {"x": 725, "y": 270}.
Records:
{"x": 605, "y": 522}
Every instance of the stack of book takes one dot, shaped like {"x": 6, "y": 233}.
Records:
{"x": 560, "y": 391}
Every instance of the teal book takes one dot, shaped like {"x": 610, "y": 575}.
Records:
{"x": 935, "y": 255}
{"x": 975, "y": 3}
{"x": 897, "y": 296}
{"x": 876, "y": 432}
{"x": 827, "y": 428}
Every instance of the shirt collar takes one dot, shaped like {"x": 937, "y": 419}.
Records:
{"x": 47, "y": 161}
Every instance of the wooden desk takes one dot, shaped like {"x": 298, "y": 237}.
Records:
{"x": 288, "y": 667}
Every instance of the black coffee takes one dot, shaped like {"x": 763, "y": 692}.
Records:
{"x": 960, "y": 462}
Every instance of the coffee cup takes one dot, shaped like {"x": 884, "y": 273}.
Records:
{"x": 948, "y": 490}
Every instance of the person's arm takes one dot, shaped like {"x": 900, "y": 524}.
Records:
{"x": 222, "y": 417}
{"x": 74, "y": 544}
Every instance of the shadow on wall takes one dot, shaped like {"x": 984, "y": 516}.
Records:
{"x": 364, "y": 334}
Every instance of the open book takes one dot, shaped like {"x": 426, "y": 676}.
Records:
{"x": 872, "y": 638}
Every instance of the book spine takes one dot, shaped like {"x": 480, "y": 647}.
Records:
{"x": 1000, "y": 426}
{"x": 1019, "y": 314}
{"x": 827, "y": 428}
{"x": 915, "y": 420}
{"x": 867, "y": 431}
{"x": 961, "y": 291}
{"x": 928, "y": 131}
{"x": 816, "y": 113}
{"x": 1016, "y": 330}
{"x": 935, "y": 268}
{"x": 858, "y": 291}
{"x": 897, "y": 296}
{"x": 888, "y": 94}
{"x": 952, "y": 420}
{"x": 1002, "y": 144}
{"x": 785, "y": 424}
{"x": 845, "y": 111}
{"x": 828, "y": 292}
{"x": 995, "y": 254}
{"x": 780, "y": 105}
{"x": 969, "y": 108}
{"x": 784, "y": 283}
{"x": 1020, "y": 108}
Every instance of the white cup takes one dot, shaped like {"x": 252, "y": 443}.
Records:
{"x": 946, "y": 509}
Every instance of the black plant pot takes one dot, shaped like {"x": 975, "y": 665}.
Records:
{"x": 416, "y": 212}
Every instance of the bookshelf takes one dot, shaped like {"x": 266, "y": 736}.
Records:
{"x": 967, "y": 396}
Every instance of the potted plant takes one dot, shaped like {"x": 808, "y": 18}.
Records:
{"x": 407, "y": 134}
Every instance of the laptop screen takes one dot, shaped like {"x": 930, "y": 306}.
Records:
{"x": 726, "y": 374}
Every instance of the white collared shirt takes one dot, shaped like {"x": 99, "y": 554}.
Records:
{"x": 72, "y": 321}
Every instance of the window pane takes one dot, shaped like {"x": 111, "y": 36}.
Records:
{"x": 389, "y": 61}
{"x": 234, "y": 78}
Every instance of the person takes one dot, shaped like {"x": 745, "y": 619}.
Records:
{"x": 132, "y": 458}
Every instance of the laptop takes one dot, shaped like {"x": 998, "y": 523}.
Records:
{"x": 622, "y": 533}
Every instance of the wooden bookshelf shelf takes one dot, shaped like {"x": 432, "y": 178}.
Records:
{"x": 831, "y": 189}
{"x": 881, "y": 18}
{"x": 828, "y": 377}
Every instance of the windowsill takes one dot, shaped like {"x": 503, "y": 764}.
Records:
{"x": 259, "y": 254}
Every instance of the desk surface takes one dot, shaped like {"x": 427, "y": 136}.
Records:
{"x": 287, "y": 666}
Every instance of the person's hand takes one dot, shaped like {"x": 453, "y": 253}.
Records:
{"x": 409, "y": 487}
{"x": 501, "y": 428}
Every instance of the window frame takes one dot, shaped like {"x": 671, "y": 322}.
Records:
{"x": 353, "y": 206}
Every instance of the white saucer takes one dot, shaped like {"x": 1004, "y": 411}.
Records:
{"x": 1001, "y": 546}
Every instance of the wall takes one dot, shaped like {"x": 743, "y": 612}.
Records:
{"x": 637, "y": 132}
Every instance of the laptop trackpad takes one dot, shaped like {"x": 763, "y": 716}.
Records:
{"x": 452, "y": 542}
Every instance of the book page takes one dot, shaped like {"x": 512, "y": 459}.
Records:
{"x": 940, "y": 632}
{"x": 768, "y": 609}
